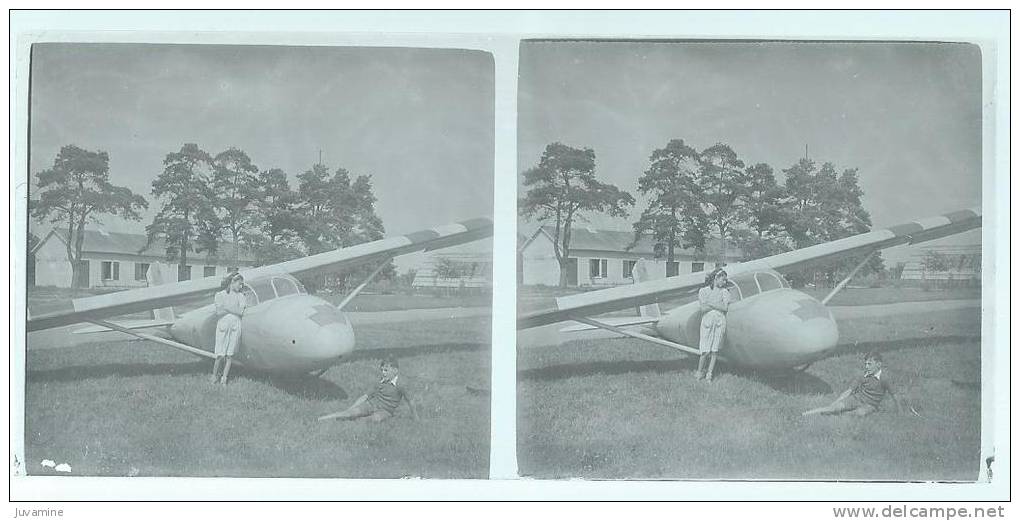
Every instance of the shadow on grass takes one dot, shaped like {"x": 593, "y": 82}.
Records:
{"x": 403, "y": 352}
{"x": 562, "y": 371}
{"x": 303, "y": 385}
{"x": 790, "y": 382}
{"x": 77, "y": 373}
{"x": 901, "y": 344}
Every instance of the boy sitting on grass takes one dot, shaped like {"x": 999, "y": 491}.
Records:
{"x": 380, "y": 404}
{"x": 865, "y": 395}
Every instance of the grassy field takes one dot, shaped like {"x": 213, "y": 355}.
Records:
{"x": 611, "y": 409}
{"x": 530, "y": 299}
{"x": 133, "y": 408}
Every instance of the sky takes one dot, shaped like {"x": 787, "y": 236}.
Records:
{"x": 419, "y": 121}
{"x": 907, "y": 115}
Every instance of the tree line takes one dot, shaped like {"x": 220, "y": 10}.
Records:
{"x": 206, "y": 201}
{"x": 697, "y": 195}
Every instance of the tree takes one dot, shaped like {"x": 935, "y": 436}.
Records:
{"x": 562, "y": 187}
{"x": 721, "y": 188}
{"x": 233, "y": 181}
{"x": 825, "y": 206}
{"x": 447, "y": 268}
{"x": 934, "y": 262}
{"x": 673, "y": 216}
{"x": 76, "y": 191}
{"x": 275, "y": 223}
{"x": 406, "y": 280}
{"x": 337, "y": 212}
{"x": 187, "y": 220}
{"x": 33, "y": 241}
{"x": 764, "y": 214}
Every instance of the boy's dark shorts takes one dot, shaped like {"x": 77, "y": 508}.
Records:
{"x": 856, "y": 404}
{"x": 367, "y": 408}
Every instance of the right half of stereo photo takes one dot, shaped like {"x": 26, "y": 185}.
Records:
{"x": 749, "y": 260}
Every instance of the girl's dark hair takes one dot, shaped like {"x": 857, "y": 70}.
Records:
{"x": 225, "y": 284}
{"x": 710, "y": 278}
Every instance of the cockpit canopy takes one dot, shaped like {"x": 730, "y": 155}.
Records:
{"x": 746, "y": 286}
{"x": 261, "y": 290}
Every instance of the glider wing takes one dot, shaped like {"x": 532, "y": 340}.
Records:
{"x": 104, "y": 306}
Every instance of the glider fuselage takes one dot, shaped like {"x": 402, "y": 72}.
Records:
{"x": 769, "y": 325}
{"x": 283, "y": 329}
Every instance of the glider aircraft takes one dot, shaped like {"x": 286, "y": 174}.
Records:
{"x": 769, "y": 324}
{"x": 284, "y": 329}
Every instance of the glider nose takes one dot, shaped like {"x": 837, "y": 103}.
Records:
{"x": 815, "y": 337}
{"x": 332, "y": 342}
{"x": 785, "y": 328}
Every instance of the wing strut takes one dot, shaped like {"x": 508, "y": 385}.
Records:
{"x": 634, "y": 334}
{"x": 839, "y": 287}
{"x": 361, "y": 286}
{"x": 154, "y": 338}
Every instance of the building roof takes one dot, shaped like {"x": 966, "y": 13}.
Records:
{"x": 618, "y": 241}
{"x": 101, "y": 241}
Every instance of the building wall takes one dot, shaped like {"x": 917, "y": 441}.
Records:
{"x": 52, "y": 268}
{"x": 540, "y": 265}
{"x": 614, "y": 267}
{"x": 127, "y": 269}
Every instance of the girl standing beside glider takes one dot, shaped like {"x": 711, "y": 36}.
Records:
{"x": 230, "y": 304}
{"x": 715, "y": 302}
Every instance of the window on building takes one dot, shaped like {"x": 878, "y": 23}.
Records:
{"x": 111, "y": 270}
{"x": 697, "y": 266}
{"x": 598, "y": 268}
{"x": 628, "y": 269}
{"x": 284, "y": 287}
{"x": 672, "y": 269}
{"x": 186, "y": 275}
{"x": 209, "y": 271}
{"x": 141, "y": 268}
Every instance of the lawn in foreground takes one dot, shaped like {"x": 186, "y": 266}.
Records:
{"x": 136, "y": 408}
{"x": 621, "y": 408}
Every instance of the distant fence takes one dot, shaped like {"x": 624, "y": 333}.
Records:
{"x": 461, "y": 286}
{"x": 939, "y": 283}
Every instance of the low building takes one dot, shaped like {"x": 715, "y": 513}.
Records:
{"x": 455, "y": 270}
{"x": 120, "y": 260}
{"x": 606, "y": 258}
{"x": 944, "y": 263}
